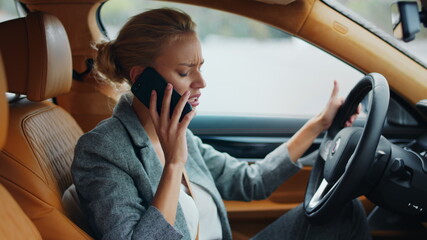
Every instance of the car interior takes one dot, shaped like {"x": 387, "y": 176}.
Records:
{"x": 53, "y": 99}
{"x": 17, "y": 225}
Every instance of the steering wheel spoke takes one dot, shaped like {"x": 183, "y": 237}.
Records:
{"x": 320, "y": 192}
{"x": 324, "y": 149}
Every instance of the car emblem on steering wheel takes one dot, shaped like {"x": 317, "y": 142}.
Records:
{"x": 336, "y": 146}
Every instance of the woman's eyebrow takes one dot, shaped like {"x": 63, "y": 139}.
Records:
{"x": 192, "y": 64}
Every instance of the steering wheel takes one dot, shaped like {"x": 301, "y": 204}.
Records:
{"x": 346, "y": 154}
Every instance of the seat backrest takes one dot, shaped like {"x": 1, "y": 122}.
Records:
{"x": 4, "y": 109}
{"x": 35, "y": 161}
{"x": 15, "y": 224}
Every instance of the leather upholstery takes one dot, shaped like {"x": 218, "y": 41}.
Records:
{"x": 38, "y": 56}
{"x": 43, "y": 142}
{"x": 4, "y": 110}
{"x": 15, "y": 224}
{"x": 71, "y": 204}
{"x": 35, "y": 165}
{"x": 35, "y": 161}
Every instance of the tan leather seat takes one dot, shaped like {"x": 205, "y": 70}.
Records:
{"x": 4, "y": 109}
{"x": 35, "y": 161}
{"x": 15, "y": 224}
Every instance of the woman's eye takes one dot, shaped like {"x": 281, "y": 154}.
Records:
{"x": 183, "y": 74}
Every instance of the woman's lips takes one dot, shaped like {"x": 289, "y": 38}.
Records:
{"x": 193, "y": 100}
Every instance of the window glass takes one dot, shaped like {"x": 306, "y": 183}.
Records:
{"x": 379, "y": 14}
{"x": 398, "y": 115}
{"x": 251, "y": 68}
{"x": 7, "y": 10}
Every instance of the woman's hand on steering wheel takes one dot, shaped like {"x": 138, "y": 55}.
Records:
{"x": 331, "y": 109}
{"x": 348, "y": 153}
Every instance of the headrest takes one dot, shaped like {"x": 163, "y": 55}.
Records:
{"x": 4, "y": 107}
{"x": 37, "y": 56}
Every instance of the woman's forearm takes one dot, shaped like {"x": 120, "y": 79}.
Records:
{"x": 167, "y": 194}
{"x": 302, "y": 140}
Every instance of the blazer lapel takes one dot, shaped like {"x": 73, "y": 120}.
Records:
{"x": 152, "y": 165}
{"x": 201, "y": 177}
{"x": 145, "y": 152}
{"x": 140, "y": 140}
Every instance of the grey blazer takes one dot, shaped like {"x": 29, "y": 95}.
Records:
{"x": 116, "y": 172}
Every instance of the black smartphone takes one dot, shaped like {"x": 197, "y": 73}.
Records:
{"x": 150, "y": 80}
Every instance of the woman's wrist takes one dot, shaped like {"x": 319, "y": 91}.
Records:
{"x": 318, "y": 124}
{"x": 174, "y": 166}
{"x": 167, "y": 194}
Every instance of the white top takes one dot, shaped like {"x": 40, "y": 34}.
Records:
{"x": 200, "y": 212}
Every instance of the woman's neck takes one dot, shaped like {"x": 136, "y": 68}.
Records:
{"x": 144, "y": 118}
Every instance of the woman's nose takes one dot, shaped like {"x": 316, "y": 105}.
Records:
{"x": 199, "y": 81}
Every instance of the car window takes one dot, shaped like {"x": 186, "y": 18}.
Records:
{"x": 7, "y": 10}
{"x": 251, "y": 68}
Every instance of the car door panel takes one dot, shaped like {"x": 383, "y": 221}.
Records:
{"x": 250, "y": 139}
{"x": 246, "y": 138}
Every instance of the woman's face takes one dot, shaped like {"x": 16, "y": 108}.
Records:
{"x": 180, "y": 65}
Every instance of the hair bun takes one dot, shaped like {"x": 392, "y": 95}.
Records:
{"x": 105, "y": 63}
{"x": 139, "y": 43}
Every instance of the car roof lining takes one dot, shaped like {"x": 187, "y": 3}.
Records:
{"x": 372, "y": 28}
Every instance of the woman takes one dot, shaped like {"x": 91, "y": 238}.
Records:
{"x": 129, "y": 170}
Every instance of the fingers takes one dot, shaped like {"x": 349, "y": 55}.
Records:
{"x": 164, "y": 122}
{"x": 351, "y": 120}
{"x": 359, "y": 109}
{"x": 340, "y": 101}
{"x": 335, "y": 90}
{"x": 165, "y": 111}
{"x": 335, "y": 101}
{"x": 180, "y": 106}
{"x": 187, "y": 119}
{"x": 153, "y": 109}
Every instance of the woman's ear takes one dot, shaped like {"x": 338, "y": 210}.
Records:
{"x": 134, "y": 72}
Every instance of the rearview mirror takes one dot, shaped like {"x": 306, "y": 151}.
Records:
{"x": 406, "y": 20}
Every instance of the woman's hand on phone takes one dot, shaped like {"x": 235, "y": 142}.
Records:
{"x": 171, "y": 132}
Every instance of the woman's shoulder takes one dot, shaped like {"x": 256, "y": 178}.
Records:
{"x": 107, "y": 143}
{"x": 191, "y": 138}
{"x": 107, "y": 128}
{"x": 109, "y": 133}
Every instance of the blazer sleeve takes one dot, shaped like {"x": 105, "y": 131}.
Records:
{"x": 109, "y": 196}
{"x": 237, "y": 180}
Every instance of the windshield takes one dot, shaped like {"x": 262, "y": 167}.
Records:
{"x": 378, "y": 14}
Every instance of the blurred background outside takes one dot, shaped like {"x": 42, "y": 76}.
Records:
{"x": 252, "y": 68}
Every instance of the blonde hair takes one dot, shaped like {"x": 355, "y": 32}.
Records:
{"x": 140, "y": 42}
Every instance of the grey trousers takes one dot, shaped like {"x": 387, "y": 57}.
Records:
{"x": 350, "y": 223}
